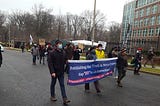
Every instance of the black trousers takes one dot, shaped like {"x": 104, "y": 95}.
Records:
{"x": 121, "y": 74}
{"x": 96, "y": 84}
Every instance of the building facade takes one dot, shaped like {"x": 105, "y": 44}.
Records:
{"x": 145, "y": 31}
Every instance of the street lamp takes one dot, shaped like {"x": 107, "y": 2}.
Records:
{"x": 94, "y": 16}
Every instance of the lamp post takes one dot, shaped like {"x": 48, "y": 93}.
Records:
{"x": 94, "y": 16}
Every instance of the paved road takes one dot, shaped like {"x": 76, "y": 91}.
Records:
{"x": 22, "y": 84}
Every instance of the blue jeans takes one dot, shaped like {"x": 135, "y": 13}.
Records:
{"x": 34, "y": 58}
{"x": 61, "y": 83}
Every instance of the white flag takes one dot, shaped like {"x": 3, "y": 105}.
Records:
{"x": 31, "y": 39}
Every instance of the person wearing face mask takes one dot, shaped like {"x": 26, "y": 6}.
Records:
{"x": 99, "y": 55}
{"x": 56, "y": 62}
{"x": 99, "y": 52}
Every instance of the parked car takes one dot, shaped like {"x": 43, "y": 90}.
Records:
{"x": 2, "y": 48}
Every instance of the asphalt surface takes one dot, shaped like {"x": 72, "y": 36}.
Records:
{"x": 22, "y": 84}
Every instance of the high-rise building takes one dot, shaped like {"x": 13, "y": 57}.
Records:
{"x": 145, "y": 30}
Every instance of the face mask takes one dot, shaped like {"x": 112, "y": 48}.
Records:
{"x": 100, "y": 48}
{"x": 60, "y": 46}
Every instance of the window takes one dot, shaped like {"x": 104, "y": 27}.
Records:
{"x": 154, "y": 9}
{"x": 158, "y": 20}
{"x": 147, "y": 11}
{"x": 153, "y": 20}
{"x": 157, "y": 31}
{"x": 141, "y": 22}
{"x": 136, "y": 14}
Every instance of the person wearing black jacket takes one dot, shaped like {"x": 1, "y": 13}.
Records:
{"x": 138, "y": 58}
{"x": 0, "y": 57}
{"x": 121, "y": 66}
{"x": 56, "y": 62}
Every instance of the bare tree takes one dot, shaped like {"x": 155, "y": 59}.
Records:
{"x": 114, "y": 29}
{"x": 87, "y": 27}
{"x": 43, "y": 20}
{"x": 3, "y": 30}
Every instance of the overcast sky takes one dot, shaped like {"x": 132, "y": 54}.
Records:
{"x": 112, "y": 9}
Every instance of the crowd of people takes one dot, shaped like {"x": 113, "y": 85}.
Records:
{"x": 57, "y": 57}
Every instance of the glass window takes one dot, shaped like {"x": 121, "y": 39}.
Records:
{"x": 136, "y": 14}
{"x": 153, "y": 20}
{"x": 158, "y": 20}
{"x": 147, "y": 11}
{"x": 154, "y": 9}
{"x": 157, "y": 31}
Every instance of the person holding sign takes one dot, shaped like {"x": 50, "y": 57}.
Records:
{"x": 99, "y": 55}
{"x": 91, "y": 55}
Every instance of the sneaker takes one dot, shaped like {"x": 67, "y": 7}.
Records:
{"x": 53, "y": 99}
{"x": 87, "y": 90}
{"x": 66, "y": 101}
{"x": 120, "y": 85}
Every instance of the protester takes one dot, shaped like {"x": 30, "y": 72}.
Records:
{"x": 137, "y": 60}
{"x": 76, "y": 53}
{"x": 69, "y": 55}
{"x": 99, "y": 55}
{"x": 56, "y": 62}
{"x": 99, "y": 52}
{"x": 0, "y": 57}
{"x": 34, "y": 52}
{"x": 42, "y": 51}
{"x": 150, "y": 56}
{"x": 91, "y": 55}
{"x": 121, "y": 66}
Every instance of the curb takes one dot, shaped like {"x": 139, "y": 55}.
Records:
{"x": 131, "y": 69}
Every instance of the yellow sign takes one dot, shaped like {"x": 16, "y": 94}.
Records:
{"x": 42, "y": 41}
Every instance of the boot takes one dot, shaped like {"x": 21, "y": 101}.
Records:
{"x": 66, "y": 101}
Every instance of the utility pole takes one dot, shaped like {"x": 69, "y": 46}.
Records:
{"x": 94, "y": 16}
{"x": 9, "y": 35}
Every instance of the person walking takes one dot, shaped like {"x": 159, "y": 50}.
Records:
{"x": 91, "y": 55}
{"x": 56, "y": 62}
{"x": 0, "y": 57}
{"x": 34, "y": 52}
{"x": 99, "y": 55}
{"x": 42, "y": 51}
{"x": 22, "y": 48}
{"x": 137, "y": 64}
{"x": 150, "y": 56}
{"x": 69, "y": 55}
{"x": 76, "y": 53}
{"x": 121, "y": 66}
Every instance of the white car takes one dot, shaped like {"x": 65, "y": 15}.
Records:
{"x": 2, "y": 48}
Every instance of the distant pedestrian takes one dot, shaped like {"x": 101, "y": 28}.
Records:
{"x": 22, "y": 48}
{"x": 42, "y": 51}
{"x": 0, "y": 57}
{"x": 56, "y": 62}
{"x": 137, "y": 62}
{"x": 121, "y": 66}
{"x": 34, "y": 52}
{"x": 91, "y": 55}
{"x": 150, "y": 56}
